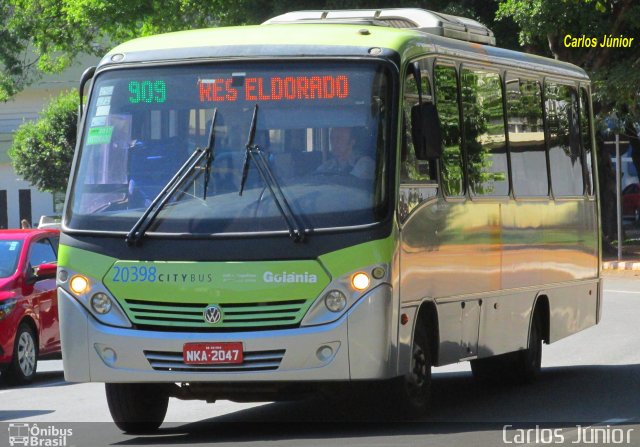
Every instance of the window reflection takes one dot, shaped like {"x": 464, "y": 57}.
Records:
{"x": 446, "y": 86}
{"x": 484, "y": 132}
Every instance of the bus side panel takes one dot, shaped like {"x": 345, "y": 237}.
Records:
{"x": 570, "y": 240}
{"x": 484, "y": 264}
{"x": 549, "y": 242}
{"x": 450, "y": 250}
{"x": 572, "y": 309}
{"x": 505, "y": 313}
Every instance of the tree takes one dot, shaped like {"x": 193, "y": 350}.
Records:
{"x": 42, "y": 151}
{"x": 545, "y": 24}
{"x": 43, "y": 36}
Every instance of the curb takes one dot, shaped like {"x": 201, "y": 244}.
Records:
{"x": 621, "y": 265}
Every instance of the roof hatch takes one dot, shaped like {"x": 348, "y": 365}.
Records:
{"x": 455, "y": 27}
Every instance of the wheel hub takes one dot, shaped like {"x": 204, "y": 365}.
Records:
{"x": 26, "y": 354}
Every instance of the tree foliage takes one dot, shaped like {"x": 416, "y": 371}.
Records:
{"x": 43, "y": 36}
{"x": 42, "y": 151}
{"x": 544, "y": 24}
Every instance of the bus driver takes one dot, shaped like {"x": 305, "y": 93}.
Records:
{"x": 345, "y": 157}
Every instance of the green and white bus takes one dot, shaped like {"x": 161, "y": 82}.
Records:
{"x": 329, "y": 198}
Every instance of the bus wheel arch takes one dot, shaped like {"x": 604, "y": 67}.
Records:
{"x": 541, "y": 310}
{"x": 528, "y": 361}
{"x": 428, "y": 318}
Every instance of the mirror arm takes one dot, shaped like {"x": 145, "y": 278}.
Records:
{"x": 86, "y": 77}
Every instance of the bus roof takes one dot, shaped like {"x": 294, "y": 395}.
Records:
{"x": 313, "y": 40}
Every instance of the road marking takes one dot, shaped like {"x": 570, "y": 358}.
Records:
{"x": 622, "y": 291}
{"x": 42, "y": 385}
{"x": 615, "y": 421}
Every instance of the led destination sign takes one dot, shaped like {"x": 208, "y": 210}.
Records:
{"x": 276, "y": 88}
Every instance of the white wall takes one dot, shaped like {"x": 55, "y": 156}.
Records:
{"x": 24, "y": 107}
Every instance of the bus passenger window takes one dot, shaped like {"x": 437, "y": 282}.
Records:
{"x": 565, "y": 160}
{"x": 413, "y": 170}
{"x": 484, "y": 133}
{"x": 526, "y": 138}
{"x": 585, "y": 131}
{"x": 446, "y": 87}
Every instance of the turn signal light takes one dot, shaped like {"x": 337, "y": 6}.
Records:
{"x": 360, "y": 281}
{"x": 79, "y": 284}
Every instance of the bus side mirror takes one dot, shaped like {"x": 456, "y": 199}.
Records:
{"x": 425, "y": 131}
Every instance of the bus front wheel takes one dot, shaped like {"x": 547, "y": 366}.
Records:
{"x": 412, "y": 392}
{"x": 529, "y": 361}
{"x": 137, "y": 407}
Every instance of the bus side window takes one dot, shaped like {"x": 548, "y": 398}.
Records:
{"x": 565, "y": 159}
{"x": 446, "y": 89}
{"x": 413, "y": 170}
{"x": 526, "y": 138}
{"x": 484, "y": 132}
{"x": 587, "y": 146}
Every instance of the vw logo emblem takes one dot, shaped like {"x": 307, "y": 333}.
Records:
{"x": 213, "y": 314}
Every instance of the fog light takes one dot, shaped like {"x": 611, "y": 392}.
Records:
{"x": 335, "y": 301}
{"x": 100, "y": 303}
{"x": 79, "y": 284}
{"x": 107, "y": 354}
{"x": 324, "y": 353}
{"x": 360, "y": 281}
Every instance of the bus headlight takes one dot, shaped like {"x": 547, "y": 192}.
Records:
{"x": 94, "y": 297}
{"x": 343, "y": 292}
{"x": 335, "y": 301}
{"x": 100, "y": 303}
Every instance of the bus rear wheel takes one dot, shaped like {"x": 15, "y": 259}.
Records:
{"x": 137, "y": 407}
{"x": 518, "y": 367}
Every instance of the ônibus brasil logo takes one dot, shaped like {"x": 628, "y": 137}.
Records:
{"x": 33, "y": 435}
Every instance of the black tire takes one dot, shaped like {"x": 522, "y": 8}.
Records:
{"x": 528, "y": 362}
{"x": 412, "y": 392}
{"x": 24, "y": 362}
{"x": 137, "y": 407}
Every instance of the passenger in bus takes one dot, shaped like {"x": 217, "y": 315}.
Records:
{"x": 346, "y": 155}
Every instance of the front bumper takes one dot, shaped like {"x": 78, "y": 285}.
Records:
{"x": 361, "y": 343}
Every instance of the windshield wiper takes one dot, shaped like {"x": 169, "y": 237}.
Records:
{"x": 255, "y": 154}
{"x": 139, "y": 229}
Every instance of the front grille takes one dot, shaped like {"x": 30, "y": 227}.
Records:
{"x": 246, "y": 316}
{"x": 252, "y": 361}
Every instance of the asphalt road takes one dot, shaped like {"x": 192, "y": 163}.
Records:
{"x": 588, "y": 394}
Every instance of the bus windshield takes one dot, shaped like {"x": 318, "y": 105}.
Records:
{"x": 322, "y": 129}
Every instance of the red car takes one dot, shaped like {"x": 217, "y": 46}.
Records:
{"x": 28, "y": 305}
{"x": 631, "y": 201}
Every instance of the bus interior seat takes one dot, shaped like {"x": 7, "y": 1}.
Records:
{"x": 151, "y": 165}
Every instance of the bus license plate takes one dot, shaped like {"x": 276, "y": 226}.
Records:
{"x": 212, "y": 353}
